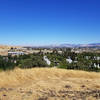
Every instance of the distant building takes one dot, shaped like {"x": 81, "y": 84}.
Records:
{"x": 47, "y": 60}
{"x": 69, "y": 60}
{"x": 96, "y": 65}
{"x": 60, "y": 52}
{"x": 15, "y": 53}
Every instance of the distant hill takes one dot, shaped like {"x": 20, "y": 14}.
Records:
{"x": 91, "y": 45}
{"x": 8, "y": 46}
{"x": 94, "y": 45}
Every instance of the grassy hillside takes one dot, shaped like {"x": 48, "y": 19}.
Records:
{"x": 49, "y": 84}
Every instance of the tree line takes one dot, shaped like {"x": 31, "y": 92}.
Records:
{"x": 80, "y": 61}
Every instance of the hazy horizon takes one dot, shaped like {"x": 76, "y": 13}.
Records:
{"x": 49, "y": 22}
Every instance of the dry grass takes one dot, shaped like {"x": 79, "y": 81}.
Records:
{"x": 40, "y": 81}
{"x": 18, "y": 76}
{"x": 4, "y": 49}
{"x": 8, "y": 46}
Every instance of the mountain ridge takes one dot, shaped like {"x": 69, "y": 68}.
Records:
{"x": 81, "y": 45}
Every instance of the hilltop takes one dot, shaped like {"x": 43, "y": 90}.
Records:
{"x": 4, "y": 49}
{"x": 49, "y": 84}
{"x": 8, "y": 46}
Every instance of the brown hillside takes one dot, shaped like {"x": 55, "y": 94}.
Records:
{"x": 49, "y": 84}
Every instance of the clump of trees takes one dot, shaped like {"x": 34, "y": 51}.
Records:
{"x": 32, "y": 60}
{"x": 22, "y": 61}
{"x": 81, "y": 61}
{"x": 6, "y": 63}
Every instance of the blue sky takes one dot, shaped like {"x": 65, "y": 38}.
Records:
{"x": 44, "y": 22}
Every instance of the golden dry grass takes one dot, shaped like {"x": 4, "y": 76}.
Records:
{"x": 41, "y": 81}
{"x": 8, "y": 46}
{"x": 4, "y": 49}
{"x": 18, "y": 76}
